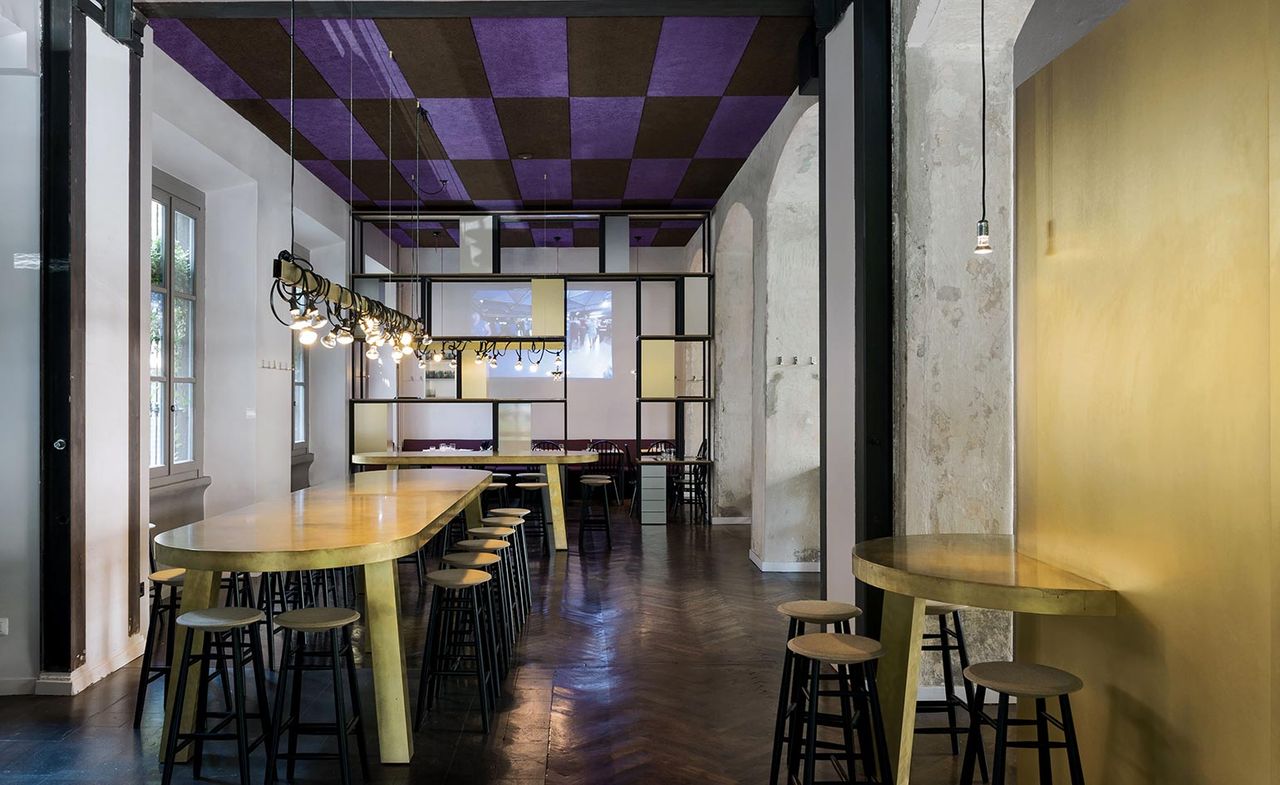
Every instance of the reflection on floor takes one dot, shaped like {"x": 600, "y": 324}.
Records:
{"x": 657, "y": 663}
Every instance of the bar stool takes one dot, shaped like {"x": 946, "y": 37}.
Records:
{"x": 162, "y": 612}
{"x": 799, "y": 613}
{"x": 520, "y": 588}
{"x": 948, "y": 639}
{"x": 1023, "y": 680}
{"x": 589, "y": 521}
{"x": 223, "y": 628}
{"x": 336, "y": 622}
{"x": 584, "y": 477}
{"x": 853, "y": 657}
{"x": 522, "y": 548}
{"x": 502, "y": 549}
{"x": 499, "y": 529}
{"x": 496, "y": 597}
{"x": 496, "y": 492}
{"x": 459, "y": 633}
{"x": 531, "y": 499}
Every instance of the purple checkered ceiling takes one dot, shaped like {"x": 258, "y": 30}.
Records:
{"x": 646, "y": 113}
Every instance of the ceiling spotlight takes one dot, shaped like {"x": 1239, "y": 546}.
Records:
{"x": 307, "y": 336}
{"x": 329, "y": 341}
{"x": 371, "y": 352}
{"x": 345, "y": 337}
{"x": 524, "y": 156}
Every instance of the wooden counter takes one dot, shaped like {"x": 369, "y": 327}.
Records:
{"x": 979, "y": 570}
{"x": 369, "y": 520}
{"x": 551, "y": 461}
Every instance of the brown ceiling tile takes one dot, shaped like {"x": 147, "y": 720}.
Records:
{"x": 258, "y": 50}
{"x": 707, "y": 178}
{"x": 516, "y": 238}
{"x": 611, "y": 56}
{"x": 275, "y": 126}
{"x": 538, "y": 126}
{"x": 441, "y": 57}
{"x": 586, "y": 238}
{"x": 372, "y": 114}
{"x": 600, "y": 178}
{"x": 488, "y": 180}
{"x": 768, "y": 66}
{"x": 673, "y": 238}
{"x": 673, "y": 127}
{"x": 371, "y": 177}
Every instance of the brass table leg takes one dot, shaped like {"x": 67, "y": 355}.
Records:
{"x": 474, "y": 513}
{"x": 390, "y": 680}
{"x": 555, "y": 502}
{"x": 898, "y": 677}
{"x": 199, "y": 591}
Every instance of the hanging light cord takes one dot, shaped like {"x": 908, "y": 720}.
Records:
{"x": 982, "y": 46}
{"x": 293, "y": 164}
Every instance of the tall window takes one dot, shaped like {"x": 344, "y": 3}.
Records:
{"x": 299, "y": 381}
{"x": 175, "y": 233}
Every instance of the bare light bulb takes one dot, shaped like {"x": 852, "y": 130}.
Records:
{"x": 371, "y": 352}
{"x": 307, "y": 336}
{"x": 984, "y": 238}
{"x": 345, "y": 337}
{"x": 453, "y": 363}
{"x": 297, "y": 319}
{"x": 519, "y": 365}
{"x": 438, "y": 356}
{"x": 396, "y": 354}
{"x": 533, "y": 367}
{"x": 406, "y": 338}
{"x": 493, "y": 362}
{"x": 479, "y": 359}
{"x": 329, "y": 341}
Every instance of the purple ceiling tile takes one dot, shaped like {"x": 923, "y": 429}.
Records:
{"x": 546, "y": 238}
{"x": 515, "y": 224}
{"x": 738, "y": 124}
{"x": 327, "y": 124}
{"x": 497, "y": 204}
{"x": 467, "y": 127}
{"x": 642, "y": 237}
{"x": 525, "y": 56}
{"x": 177, "y": 41}
{"x": 592, "y": 224}
{"x": 329, "y": 45}
{"x": 604, "y": 127}
{"x": 655, "y": 178}
{"x": 402, "y": 238}
{"x": 597, "y": 204}
{"x": 693, "y": 204}
{"x": 697, "y": 55}
{"x": 691, "y": 224}
{"x": 329, "y": 174}
{"x": 533, "y": 188}
{"x": 432, "y": 172}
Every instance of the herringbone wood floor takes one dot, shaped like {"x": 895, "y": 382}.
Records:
{"x": 657, "y": 662}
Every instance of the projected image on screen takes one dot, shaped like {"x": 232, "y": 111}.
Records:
{"x": 589, "y": 331}
{"x": 502, "y": 312}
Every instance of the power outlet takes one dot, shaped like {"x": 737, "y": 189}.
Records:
{"x": 4, "y": 626}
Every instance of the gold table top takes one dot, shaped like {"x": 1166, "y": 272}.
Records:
{"x": 470, "y": 457}
{"x": 370, "y": 517}
{"x": 979, "y": 570}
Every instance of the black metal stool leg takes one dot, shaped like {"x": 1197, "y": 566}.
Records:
{"x": 813, "y": 670}
{"x": 884, "y": 767}
{"x": 340, "y": 709}
{"x": 353, "y": 683}
{"x": 1073, "y": 747}
{"x": 1042, "y": 738}
{"x": 973, "y": 746}
{"x": 784, "y": 695}
{"x": 175, "y": 717}
{"x": 1002, "y": 741}
{"x": 148, "y": 655}
{"x": 948, "y": 683}
{"x": 295, "y": 703}
{"x": 278, "y": 715}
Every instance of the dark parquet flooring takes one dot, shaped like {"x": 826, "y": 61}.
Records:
{"x": 657, "y": 662}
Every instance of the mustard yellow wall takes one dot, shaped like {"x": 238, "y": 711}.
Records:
{"x": 1145, "y": 387}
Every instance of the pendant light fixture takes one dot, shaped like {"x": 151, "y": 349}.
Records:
{"x": 983, "y": 246}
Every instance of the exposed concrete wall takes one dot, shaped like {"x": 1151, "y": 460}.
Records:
{"x": 955, "y": 309}
{"x": 774, "y": 200}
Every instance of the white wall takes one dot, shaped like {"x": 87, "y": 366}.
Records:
{"x": 245, "y": 178}
{"x": 20, "y": 393}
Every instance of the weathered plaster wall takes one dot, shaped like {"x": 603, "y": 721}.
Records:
{"x": 955, "y": 309}
{"x": 767, "y": 256}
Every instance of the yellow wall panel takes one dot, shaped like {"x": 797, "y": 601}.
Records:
{"x": 657, "y": 369}
{"x": 475, "y": 375}
{"x": 548, "y": 306}
{"x": 1144, "y": 389}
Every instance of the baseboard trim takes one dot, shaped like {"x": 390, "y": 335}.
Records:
{"x": 783, "y": 566}
{"x": 17, "y": 685}
{"x": 66, "y": 684}
{"x": 729, "y": 521}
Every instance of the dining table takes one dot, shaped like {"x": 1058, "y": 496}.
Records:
{"x": 551, "y": 461}
{"x": 974, "y": 570}
{"x": 368, "y": 520}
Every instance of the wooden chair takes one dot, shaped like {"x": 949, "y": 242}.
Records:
{"x": 613, "y": 464}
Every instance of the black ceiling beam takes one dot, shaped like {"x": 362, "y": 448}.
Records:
{"x": 371, "y": 9}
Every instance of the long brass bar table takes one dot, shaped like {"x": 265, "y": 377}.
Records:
{"x": 551, "y": 461}
{"x": 978, "y": 570}
{"x": 369, "y": 520}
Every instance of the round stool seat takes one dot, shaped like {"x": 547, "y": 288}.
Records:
{"x": 1023, "y": 679}
{"x": 492, "y": 531}
{"x": 471, "y": 559}
{"x": 512, "y": 512}
{"x": 932, "y": 608}
{"x": 482, "y": 545}
{"x": 500, "y": 476}
{"x": 174, "y": 576}
{"x": 596, "y": 477}
{"x": 531, "y": 486}
{"x": 221, "y": 619}
{"x": 458, "y": 579}
{"x": 819, "y": 611}
{"x": 596, "y": 481}
{"x": 494, "y": 486}
{"x": 533, "y": 475}
{"x": 317, "y": 619}
{"x": 502, "y": 520}
{"x": 835, "y": 648}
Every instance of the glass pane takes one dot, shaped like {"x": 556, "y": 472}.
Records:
{"x": 184, "y": 253}
{"x": 157, "y": 424}
{"x": 299, "y": 413}
{"x": 184, "y": 423}
{"x": 158, "y": 223}
{"x": 183, "y": 338}
{"x": 299, "y": 363}
{"x": 157, "y": 334}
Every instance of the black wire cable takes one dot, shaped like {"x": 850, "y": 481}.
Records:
{"x": 982, "y": 46}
